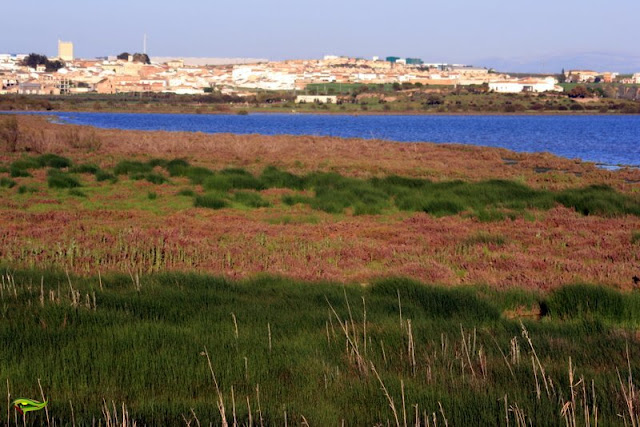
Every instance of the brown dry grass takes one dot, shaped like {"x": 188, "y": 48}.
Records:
{"x": 299, "y": 154}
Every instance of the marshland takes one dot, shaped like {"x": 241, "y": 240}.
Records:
{"x": 183, "y": 278}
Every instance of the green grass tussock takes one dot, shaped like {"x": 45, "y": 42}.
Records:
{"x": 77, "y": 193}
{"x": 102, "y": 175}
{"x": 434, "y": 301}
{"x": 187, "y": 192}
{"x": 130, "y": 167}
{"x": 53, "y": 161}
{"x": 85, "y": 168}
{"x": 594, "y": 302}
{"x": 25, "y": 163}
{"x": 155, "y": 178}
{"x": 42, "y": 161}
{"x": 15, "y": 172}
{"x": 197, "y": 175}
{"x": 57, "y": 179}
{"x": 293, "y": 199}
{"x": 599, "y": 200}
{"x": 250, "y": 199}
{"x": 24, "y": 189}
{"x": 177, "y": 167}
{"x": 158, "y": 163}
{"x": 273, "y": 177}
{"x": 211, "y": 201}
{"x": 7, "y": 183}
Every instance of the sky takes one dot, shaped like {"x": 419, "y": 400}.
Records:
{"x": 542, "y": 35}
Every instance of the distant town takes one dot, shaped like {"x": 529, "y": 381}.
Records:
{"x": 31, "y": 74}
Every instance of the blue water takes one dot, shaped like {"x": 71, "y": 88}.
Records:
{"x": 610, "y": 140}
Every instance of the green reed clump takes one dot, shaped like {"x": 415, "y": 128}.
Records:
{"x": 443, "y": 207}
{"x": 158, "y": 163}
{"x": 20, "y": 167}
{"x": 211, "y": 201}
{"x": 273, "y": 177}
{"x": 15, "y": 172}
{"x": 392, "y": 183}
{"x": 187, "y": 192}
{"x": 635, "y": 237}
{"x": 587, "y": 301}
{"x": 241, "y": 179}
{"x": 102, "y": 175}
{"x": 25, "y": 163}
{"x": 197, "y": 175}
{"x": 436, "y": 302}
{"x": 250, "y": 199}
{"x": 57, "y": 179}
{"x": 217, "y": 183}
{"x": 53, "y": 161}
{"x": 230, "y": 179}
{"x": 599, "y": 200}
{"x": 155, "y": 178}
{"x": 84, "y": 168}
{"x": 23, "y": 189}
{"x": 130, "y": 167}
{"x": 487, "y": 199}
{"x": 334, "y": 193}
{"x": 177, "y": 167}
{"x": 7, "y": 183}
{"x": 293, "y": 199}
{"x": 77, "y": 193}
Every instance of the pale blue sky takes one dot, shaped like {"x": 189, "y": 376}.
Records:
{"x": 532, "y": 33}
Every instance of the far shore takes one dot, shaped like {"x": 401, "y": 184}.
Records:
{"x": 249, "y": 110}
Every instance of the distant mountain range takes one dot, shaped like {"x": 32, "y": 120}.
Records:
{"x": 596, "y": 61}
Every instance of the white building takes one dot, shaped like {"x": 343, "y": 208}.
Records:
{"x": 636, "y": 78}
{"x": 525, "y": 85}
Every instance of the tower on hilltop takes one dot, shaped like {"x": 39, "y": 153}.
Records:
{"x": 65, "y": 50}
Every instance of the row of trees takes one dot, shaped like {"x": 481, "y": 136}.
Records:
{"x": 137, "y": 57}
{"x": 34, "y": 59}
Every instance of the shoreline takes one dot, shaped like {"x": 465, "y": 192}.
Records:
{"x": 237, "y": 112}
{"x": 404, "y": 155}
{"x": 54, "y": 118}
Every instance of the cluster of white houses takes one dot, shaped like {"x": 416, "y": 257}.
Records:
{"x": 175, "y": 76}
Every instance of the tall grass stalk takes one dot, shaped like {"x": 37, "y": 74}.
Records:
{"x": 220, "y": 398}
{"x": 44, "y": 399}
{"x": 386, "y": 394}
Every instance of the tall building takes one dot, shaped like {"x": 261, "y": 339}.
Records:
{"x": 65, "y": 50}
